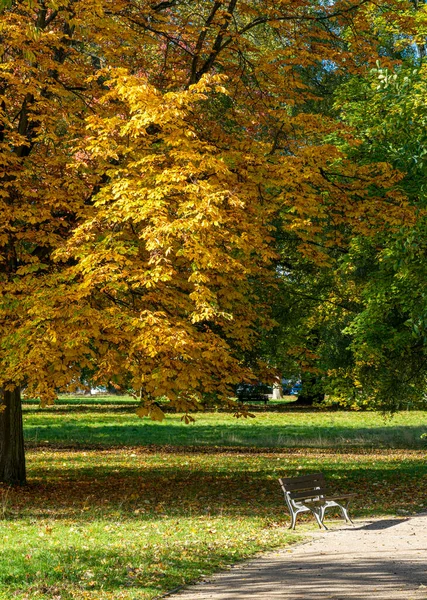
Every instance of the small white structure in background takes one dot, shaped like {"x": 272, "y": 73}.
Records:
{"x": 98, "y": 390}
{"x": 277, "y": 390}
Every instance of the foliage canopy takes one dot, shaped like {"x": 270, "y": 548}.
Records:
{"x": 163, "y": 163}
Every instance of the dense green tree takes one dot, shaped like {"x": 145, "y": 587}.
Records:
{"x": 389, "y": 333}
{"x": 355, "y": 329}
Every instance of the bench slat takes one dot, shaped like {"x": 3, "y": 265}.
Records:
{"x": 303, "y": 485}
{"x": 300, "y": 495}
{"x": 308, "y": 485}
{"x": 340, "y": 497}
{"x": 310, "y": 477}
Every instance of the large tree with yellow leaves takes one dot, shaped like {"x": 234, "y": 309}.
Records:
{"x": 48, "y": 50}
{"x": 150, "y": 154}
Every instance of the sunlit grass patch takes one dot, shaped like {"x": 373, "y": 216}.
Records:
{"x": 103, "y": 427}
{"x": 135, "y": 558}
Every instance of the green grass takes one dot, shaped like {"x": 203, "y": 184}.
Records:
{"x": 119, "y": 508}
{"x": 108, "y": 426}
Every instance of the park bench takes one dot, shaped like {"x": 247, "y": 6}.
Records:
{"x": 252, "y": 393}
{"x": 253, "y": 398}
{"x": 309, "y": 493}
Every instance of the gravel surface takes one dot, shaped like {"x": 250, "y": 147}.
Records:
{"x": 380, "y": 559}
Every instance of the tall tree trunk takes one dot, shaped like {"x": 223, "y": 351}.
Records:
{"x": 12, "y": 452}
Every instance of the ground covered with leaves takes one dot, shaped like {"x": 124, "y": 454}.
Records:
{"x": 130, "y": 522}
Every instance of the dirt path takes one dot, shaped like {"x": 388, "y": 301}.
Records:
{"x": 380, "y": 560}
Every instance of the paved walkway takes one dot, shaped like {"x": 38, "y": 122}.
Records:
{"x": 380, "y": 560}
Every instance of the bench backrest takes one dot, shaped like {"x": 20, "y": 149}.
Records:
{"x": 305, "y": 486}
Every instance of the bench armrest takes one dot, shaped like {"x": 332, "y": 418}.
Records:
{"x": 323, "y": 499}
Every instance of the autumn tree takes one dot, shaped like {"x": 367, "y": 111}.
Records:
{"x": 48, "y": 51}
{"x": 150, "y": 154}
{"x": 205, "y": 168}
{"x": 39, "y": 200}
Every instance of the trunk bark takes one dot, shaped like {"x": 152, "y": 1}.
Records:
{"x": 12, "y": 452}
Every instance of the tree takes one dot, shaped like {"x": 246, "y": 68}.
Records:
{"x": 380, "y": 332}
{"x": 389, "y": 333}
{"x": 37, "y": 198}
{"x": 150, "y": 154}
{"x": 181, "y": 239}
{"x": 47, "y": 53}
{"x": 364, "y": 313}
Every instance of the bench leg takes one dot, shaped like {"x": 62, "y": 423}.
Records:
{"x": 319, "y": 515}
{"x": 293, "y": 520}
{"x": 322, "y": 515}
{"x": 294, "y": 514}
{"x": 345, "y": 514}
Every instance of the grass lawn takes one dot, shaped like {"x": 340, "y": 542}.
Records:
{"x": 121, "y": 508}
{"x": 95, "y": 421}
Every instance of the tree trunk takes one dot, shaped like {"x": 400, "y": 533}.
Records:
{"x": 12, "y": 453}
{"x": 310, "y": 392}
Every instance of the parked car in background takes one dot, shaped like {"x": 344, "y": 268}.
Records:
{"x": 291, "y": 387}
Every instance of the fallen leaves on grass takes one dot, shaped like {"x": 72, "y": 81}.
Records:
{"x": 132, "y": 523}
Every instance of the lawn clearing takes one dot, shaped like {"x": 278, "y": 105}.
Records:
{"x": 123, "y": 508}
{"x": 104, "y": 425}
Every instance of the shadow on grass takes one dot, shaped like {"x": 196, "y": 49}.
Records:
{"x": 67, "y": 409}
{"x": 217, "y": 484}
